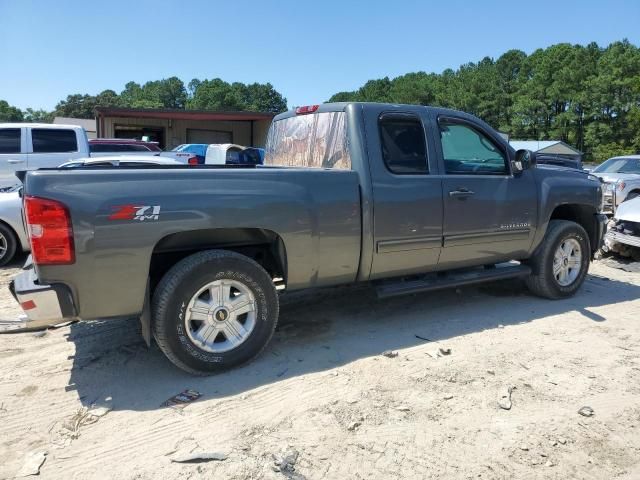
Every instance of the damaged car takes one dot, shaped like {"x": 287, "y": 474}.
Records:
{"x": 623, "y": 236}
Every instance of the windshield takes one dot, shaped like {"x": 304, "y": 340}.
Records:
{"x": 11, "y": 188}
{"x": 619, "y": 165}
{"x": 316, "y": 141}
{"x": 72, "y": 164}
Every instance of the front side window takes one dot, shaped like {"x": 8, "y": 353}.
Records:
{"x": 9, "y": 140}
{"x": 53, "y": 140}
{"x": 403, "y": 145}
{"x": 467, "y": 151}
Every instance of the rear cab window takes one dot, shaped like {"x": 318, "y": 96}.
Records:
{"x": 10, "y": 140}
{"x": 53, "y": 140}
{"x": 316, "y": 140}
{"x": 116, "y": 147}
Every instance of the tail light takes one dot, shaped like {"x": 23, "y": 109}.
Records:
{"x": 307, "y": 109}
{"x": 50, "y": 232}
{"x": 193, "y": 161}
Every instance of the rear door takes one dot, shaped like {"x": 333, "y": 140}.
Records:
{"x": 13, "y": 156}
{"x": 407, "y": 192}
{"x": 488, "y": 212}
{"x": 51, "y": 147}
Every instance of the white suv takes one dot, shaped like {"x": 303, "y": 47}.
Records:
{"x": 29, "y": 146}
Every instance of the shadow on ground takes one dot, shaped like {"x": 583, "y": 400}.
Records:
{"x": 318, "y": 331}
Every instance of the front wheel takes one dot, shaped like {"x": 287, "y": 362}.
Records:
{"x": 561, "y": 263}
{"x": 214, "y": 310}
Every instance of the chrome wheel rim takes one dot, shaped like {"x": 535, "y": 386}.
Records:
{"x": 221, "y": 316}
{"x": 3, "y": 246}
{"x": 567, "y": 262}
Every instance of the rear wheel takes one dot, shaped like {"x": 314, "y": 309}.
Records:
{"x": 214, "y": 310}
{"x": 561, "y": 262}
{"x": 8, "y": 244}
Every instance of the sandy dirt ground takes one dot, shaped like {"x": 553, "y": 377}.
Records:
{"x": 323, "y": 402}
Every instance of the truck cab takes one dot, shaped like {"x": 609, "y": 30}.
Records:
{"x": 440, "y": 188}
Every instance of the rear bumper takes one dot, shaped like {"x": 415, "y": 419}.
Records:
{"x": 42, "y": 304}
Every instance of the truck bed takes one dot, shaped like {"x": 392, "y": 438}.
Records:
{"x": 123, "y": 216}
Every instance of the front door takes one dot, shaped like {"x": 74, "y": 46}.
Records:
{"x": 407, "y": 198}
{"x": 488, "y": 212}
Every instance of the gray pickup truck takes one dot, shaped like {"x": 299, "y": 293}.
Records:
{"x": 408, "y": 198}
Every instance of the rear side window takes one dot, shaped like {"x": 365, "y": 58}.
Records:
{"x": 53, "y": 140}
{"x": 468, "y": 151}
{"x": 9, "y": 140}
{"x": 403, "y": 144}
{"x": 317, "y": 140}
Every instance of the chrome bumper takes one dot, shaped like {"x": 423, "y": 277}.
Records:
{"x": 42, "y": 304}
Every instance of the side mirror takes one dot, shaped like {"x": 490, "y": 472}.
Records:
{"x": 524, "y": 160}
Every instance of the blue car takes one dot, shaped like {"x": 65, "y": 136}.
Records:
{"x": 198, "y": 149}
{"x": 231, "y": 154}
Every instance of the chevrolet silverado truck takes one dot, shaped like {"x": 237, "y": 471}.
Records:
{"x": 408, "y": 198}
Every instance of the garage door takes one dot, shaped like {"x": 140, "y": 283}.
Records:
{"x": 195, "y": 135}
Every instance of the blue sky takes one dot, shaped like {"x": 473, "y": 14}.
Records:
{"x": 307, "y": 50}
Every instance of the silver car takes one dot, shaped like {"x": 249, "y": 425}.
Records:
{"x": 13, "y": 237}
{"x": 623, "y": 236}
{"x": 621, "y": 177}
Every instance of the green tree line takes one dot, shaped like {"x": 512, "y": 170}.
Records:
{"x": 171, "y": 92}
{"x": 586, "y": 96}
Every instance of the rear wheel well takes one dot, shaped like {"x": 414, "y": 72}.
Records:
{"x": 6, "y": 225}
{"x": 263, "y": 246}
{"x": 583, "y": 215}
{"x": 12, "y": 243}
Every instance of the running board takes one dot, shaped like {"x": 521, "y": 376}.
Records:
{"x": 456, "y": 278}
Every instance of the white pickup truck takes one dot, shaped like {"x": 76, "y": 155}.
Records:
{"x": 29, "y": 146}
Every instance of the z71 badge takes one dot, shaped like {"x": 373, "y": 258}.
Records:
{"x": 135, "y": 212}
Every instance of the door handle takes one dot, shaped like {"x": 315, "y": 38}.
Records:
{"x": 15, "y": 160}
{"x": 461, "y": 192}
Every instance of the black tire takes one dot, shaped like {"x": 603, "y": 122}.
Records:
{"x": 8, "y": 240}
{"x": 180, "y": 284}
{"x": 543, "y": 282}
